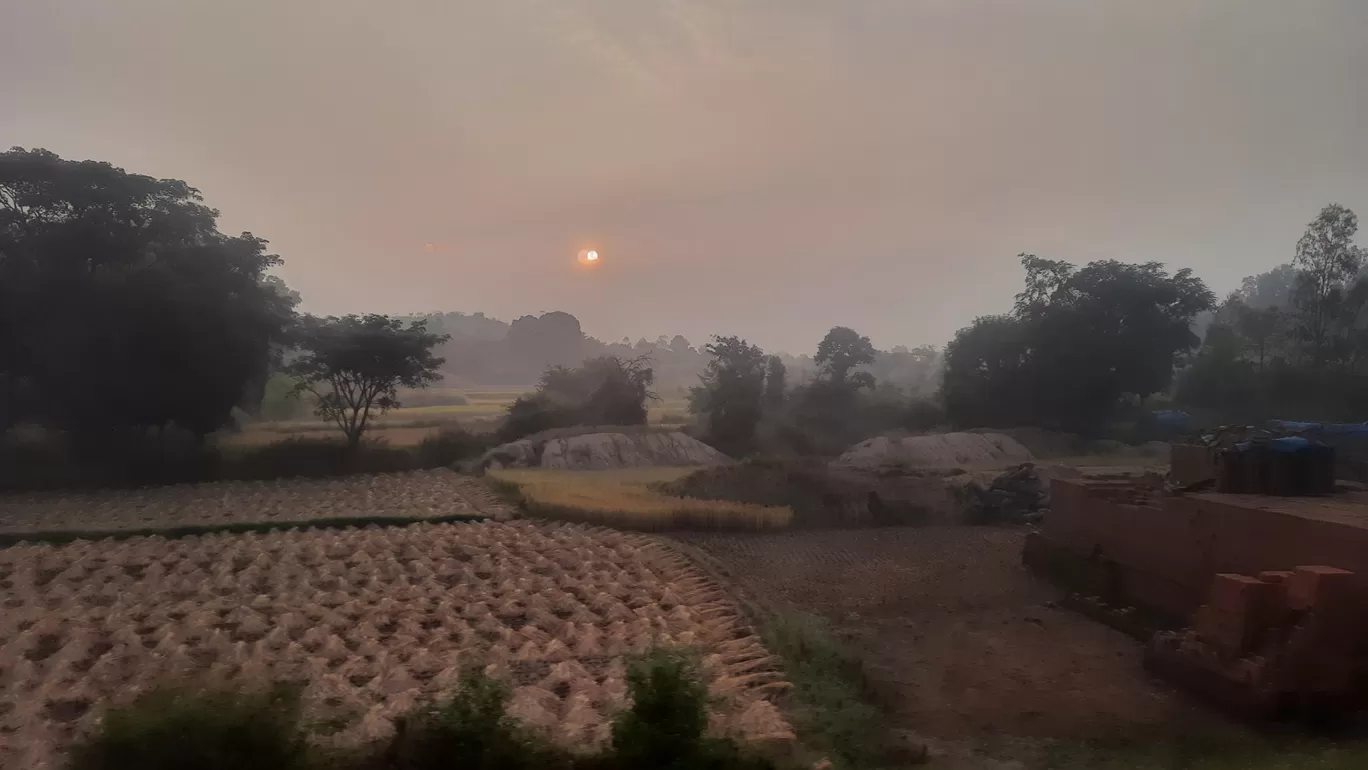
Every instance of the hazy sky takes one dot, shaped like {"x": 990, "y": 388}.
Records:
{"x": 766, "y": 168}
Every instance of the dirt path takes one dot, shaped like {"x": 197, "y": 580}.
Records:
{"x": 967, "y": 644}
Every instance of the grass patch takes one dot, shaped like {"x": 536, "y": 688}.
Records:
{"x": 831, "y": 708}
{"x": 632, "y": 499}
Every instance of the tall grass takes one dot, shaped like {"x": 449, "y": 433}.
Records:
{"x": 632, "y": 499}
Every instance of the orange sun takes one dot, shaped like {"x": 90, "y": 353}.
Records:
{"x": 588, "y": 257}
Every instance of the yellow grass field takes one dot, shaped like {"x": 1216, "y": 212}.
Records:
{"x": 627, "y": 499}
{"x": 372, "y": 621}
{"x": 409, "y": 425}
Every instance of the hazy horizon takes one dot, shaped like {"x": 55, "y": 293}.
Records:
{"x": 767, "y": 168}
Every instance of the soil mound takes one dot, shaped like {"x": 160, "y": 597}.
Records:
{"x": 603, "y": 451}
{"x": 935, "y": 451}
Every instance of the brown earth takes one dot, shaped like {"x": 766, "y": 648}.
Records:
{"x": 967, "y": 648}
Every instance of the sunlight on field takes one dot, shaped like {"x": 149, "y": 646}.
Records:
{"x": 627, "y": 498}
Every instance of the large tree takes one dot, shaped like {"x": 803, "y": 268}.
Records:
{"x": 1079, "y": 340}
{"x": 1326, "y": 261}
{"x": 122, "y": 305}
{"x": 839, "y": 352}
{"x": 730, "y": 394}
{"x": 354, "y": 365}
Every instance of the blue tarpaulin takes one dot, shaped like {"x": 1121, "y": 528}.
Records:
{"x": 1344, "y": 428}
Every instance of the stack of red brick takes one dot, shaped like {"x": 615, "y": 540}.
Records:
{"x": 1272, "y": 642}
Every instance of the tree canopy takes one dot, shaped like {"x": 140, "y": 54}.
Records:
{"x": 354, "y": 365}
{"x": 122, "y": 305}
{"x": 1078, "y": 341}
{"x": 730, "y": 393}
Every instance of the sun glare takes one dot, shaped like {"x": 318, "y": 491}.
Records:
{"x": 588, "y": 257}
{"x": 592, "y": 256}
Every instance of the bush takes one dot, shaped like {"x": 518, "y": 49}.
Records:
{"x": 664, "y": 729}
{"x": 470, "y": 731}
{"x": 665, "y": 726}
{"x": 183, "y": 729}
{"x": 448, "y": 446}
{"x": 602, "y": 391}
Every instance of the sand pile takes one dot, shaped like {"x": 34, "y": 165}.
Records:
{"x": 939, "y": 450}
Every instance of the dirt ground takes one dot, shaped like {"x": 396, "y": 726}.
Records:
{"x": 967, "y": 647}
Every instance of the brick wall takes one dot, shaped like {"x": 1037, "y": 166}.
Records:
{"x": 1163, "y": 555}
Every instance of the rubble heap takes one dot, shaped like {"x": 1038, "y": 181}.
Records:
{"x": 1017, "y": 495}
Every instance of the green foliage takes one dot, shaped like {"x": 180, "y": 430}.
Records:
{"x": 121, "y": 304}
{"x": 1079, "y": 341}
{"x": 1292, "y": 342}
{"x": 988, "y": 378}
{"x": 831, "y": 710}
{"x": 664, "y": 729}
{"x": 181, "y": 729}
{"x": 840, "y": 351}
{"x": 602, "y": 391}
{"x": 776, "y": 382}
{"x": 354, "y": 364}
{"x": 470, "y": 731}
{"x": 1326, "y": 260}
{"x": 448, "y": 446}
{"x": 731, "y": 394}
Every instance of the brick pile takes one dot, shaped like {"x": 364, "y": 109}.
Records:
{"x": 1282, "y": 643}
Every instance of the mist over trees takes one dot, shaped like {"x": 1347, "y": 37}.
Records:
{"x": 1291, "y": 343}
{"x": 486, "y": 351}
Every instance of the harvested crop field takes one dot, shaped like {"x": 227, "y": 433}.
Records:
{"x": 434, "y": 494}
{"x": 373, "y": 620}
{"x": 966, "y": 646}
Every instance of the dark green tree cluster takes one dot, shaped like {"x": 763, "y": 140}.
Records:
{"x": 124, "y": 312}
{"x": 747, "y": 404}
{"x": 731, "y": 394}
{"x": 606, "y": 390}
{"x": 121, "y": 304}
{"x": 1292, "y": 342}
{"x": 1079, "y": 342}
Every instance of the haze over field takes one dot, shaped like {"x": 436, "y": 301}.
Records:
{"x": 798, "y": 163}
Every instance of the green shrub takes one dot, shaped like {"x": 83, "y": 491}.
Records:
{"x": 470, "y": 731}
{"x": 189, "y": 730}
{"x": 831, "y": 708}
{"x": 665, "y": 726}
{"x": 449, "y": 446}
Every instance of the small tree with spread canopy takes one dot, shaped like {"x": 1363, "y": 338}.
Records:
{"x": 356, "y": 364}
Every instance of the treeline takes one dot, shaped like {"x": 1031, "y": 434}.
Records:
{"x": 1291, "y": 343}
{"x": 486, "y": 351}
{"x": 131, "y": 329}
{"x": 1085, "y": 349}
